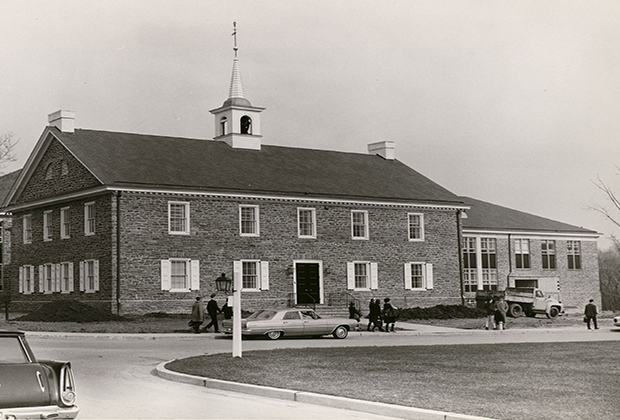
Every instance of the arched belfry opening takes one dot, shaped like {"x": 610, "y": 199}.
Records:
{"x": 246, "y": 125}
{"x": 223, "y": 126}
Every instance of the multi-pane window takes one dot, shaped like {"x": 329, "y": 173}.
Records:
{"x": 26, "y": 279}
{"x": 362, "y": 275}
{"x": 64, "y": 223}
{"x": 547, "y": 250}
{"x": 180, "y": 275}
{"x": 248, "y": 220}
{"x": 89, "y": 218}
{"x": 522, "y": 253}
{"x": 27, "y": 232}
{"x": 89, "y": 276}
{"x": 250, "y": 275}
{"x": 488, "y": 251}
{"x": 178, "y": 217}
{"x": 416, "y": 227}
{"x": 306, "y": 223}
{"x": 359, "y": 224}
{"x": 66, "y": 277}
{"x": 254, "y": 274}
{"x": 573, "y": 251}
{"x": 47, "y": 226}
{"x": 418, "y": 275}
{"x": 470, "y": 266}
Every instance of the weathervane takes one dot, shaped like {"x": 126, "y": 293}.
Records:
{"x": 234, "y": 34}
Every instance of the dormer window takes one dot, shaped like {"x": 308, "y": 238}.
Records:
{"x": 223, "y": 126}
{"x": 246, "y": 125}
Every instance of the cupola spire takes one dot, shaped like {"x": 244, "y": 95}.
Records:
{"x": 236, "y": 86}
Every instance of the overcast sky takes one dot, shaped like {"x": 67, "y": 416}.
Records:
{"x": 512, "y": 102}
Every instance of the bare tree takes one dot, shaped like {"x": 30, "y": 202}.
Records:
{"x": 7, "y": 144}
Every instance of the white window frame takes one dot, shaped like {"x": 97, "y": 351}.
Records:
{"x": 186, "y": 224}
{"x": 27, "y": 228}
{"x": 26, "y": 279}
{"x": 65, "y": 227}
{"x": 312, "y": 211}
{"x": 420, "y": 226}
{"x": 427, "y": 276}
{"x": 47, "y": 278}
{"x": 47, "y": 225}
{"x": 65, "y": 277}
{"x": 255, "y": 222}
{"x": 90, "y": 219}
{"x": 192, "y": 275}
{"x": 371, "y": 276}
{"x": 353, "y": 224}
{"x": 85, "y": 285}
{"x": 262, "y": 274}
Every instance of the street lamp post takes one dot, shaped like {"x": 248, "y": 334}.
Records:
{"x": 223, "y": 284}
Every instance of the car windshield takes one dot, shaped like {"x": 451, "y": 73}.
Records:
{"x": 11, "y": 351}
{"x": 263, "y": 314}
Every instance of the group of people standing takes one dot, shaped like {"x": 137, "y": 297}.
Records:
{"x": 198, "y": 314}
{"x": 377, "y": 316}
{"x": 496, "y": 314}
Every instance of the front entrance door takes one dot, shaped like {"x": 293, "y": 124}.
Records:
{"x": 307, "y": 282}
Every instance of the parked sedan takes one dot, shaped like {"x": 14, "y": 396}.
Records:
{"x": 31, "y": 388}
{"x": 290, "y": 322}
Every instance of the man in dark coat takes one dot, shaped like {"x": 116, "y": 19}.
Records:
{"x": 374, "y": 316}
{"x": 198, "y": 315}
{"x": 590, "y": 312}
{"x": 212, "y": 310}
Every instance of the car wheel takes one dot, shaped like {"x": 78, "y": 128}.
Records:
{"x": 515, "y": 310}
{"x": 340, "y": 332}
{"x": 553, "y": 313}
{"x": 274, "y": 335}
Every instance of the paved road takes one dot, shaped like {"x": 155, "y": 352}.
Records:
{"x": 115, "y": 377}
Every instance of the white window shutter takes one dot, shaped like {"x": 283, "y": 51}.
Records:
{"x": 350, "y": 276}
{"x": 31, "y": 290}
{"x": 41, "y": 280}
{"x": 81, "y": 276}
{"x": 374, "y": 276}
{"x": 264, "y": 275}
{"x": 237, "y": 274}
{"x": 429, "y": 276}
{"x": 71, "y": 277}
{"x": 166, "y": 281}
{"x": 96, "y": 270}
{"x": 195, "y": 274}
{"x": 21, "y": 279}
{"x": 56, "y": 268}
{"x": 407, "y": 276}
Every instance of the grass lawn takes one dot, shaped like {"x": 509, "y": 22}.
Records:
{"x": 503, "y": 381}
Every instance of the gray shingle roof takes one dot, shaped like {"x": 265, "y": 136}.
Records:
{"x": 487, "y": 216}
{"x": 6, "y": 182}
{"x": 123, "y": 159}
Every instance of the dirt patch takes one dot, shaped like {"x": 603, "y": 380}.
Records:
{"x": 69, "y": 311}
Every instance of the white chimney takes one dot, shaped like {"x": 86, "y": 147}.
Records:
{"x": 385, "y": 149}
{"x": 63, "y": 120}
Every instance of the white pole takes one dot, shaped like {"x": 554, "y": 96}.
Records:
{"x": 236, "y": 352}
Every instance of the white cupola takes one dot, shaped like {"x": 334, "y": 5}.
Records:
{"x": 237, "y": 122}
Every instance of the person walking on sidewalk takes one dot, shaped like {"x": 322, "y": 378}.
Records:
{"x": 389, "y": 315}
{"x": 490, "y": 307}
{"x": 374, "y": 316}
{"x": 198, "y": 315}
{"x": 590, "y": 313}
{"x": 212, "y": 310}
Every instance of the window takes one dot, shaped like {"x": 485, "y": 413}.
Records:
{"x": 89, "y": 219}
{"x": 27, "y": 234}
{"x": 64, "y": 223}
{"x": 89, "y": 276}
{"x": 547, "y": 250}
{"x": 522, "y": 253}
{"x": 180, "y": 275}
{"x": 418, "y": 276}
{"x": 416, "y": 227}
{"x": 178, "y": 218}
{"x": 254, "y": 274}
{"x": 47, "y": 226}
{"x": 362, "y": 275}
{"x": 573, "y": 250}
{"x": 47, "y": 278}
{"x": 359, "y": 224}
{"x": 26, "y": 279}
{"x": 49, "y": 172}
{"x": 248, "y": 220}
{"x": 470, "y": 266}
{"x": 223, "y": 126}
{"x": 306, "y": 222}
{"x": 66, "y": 277}
{"x": 488, "y": 251}
{"x": 246, "y": 125}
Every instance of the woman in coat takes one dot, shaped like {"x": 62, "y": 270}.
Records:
{"x": 389, "y": 315}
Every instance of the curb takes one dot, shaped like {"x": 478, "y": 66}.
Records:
{"x": 390, "y": 410}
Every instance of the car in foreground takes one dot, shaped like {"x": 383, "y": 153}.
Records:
{"x": 617, "y": 321}
{"x": 291, "y": 322}
{"x": 31, "y": 388}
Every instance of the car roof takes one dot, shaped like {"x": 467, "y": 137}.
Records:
{"x": 11, "y": 332}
